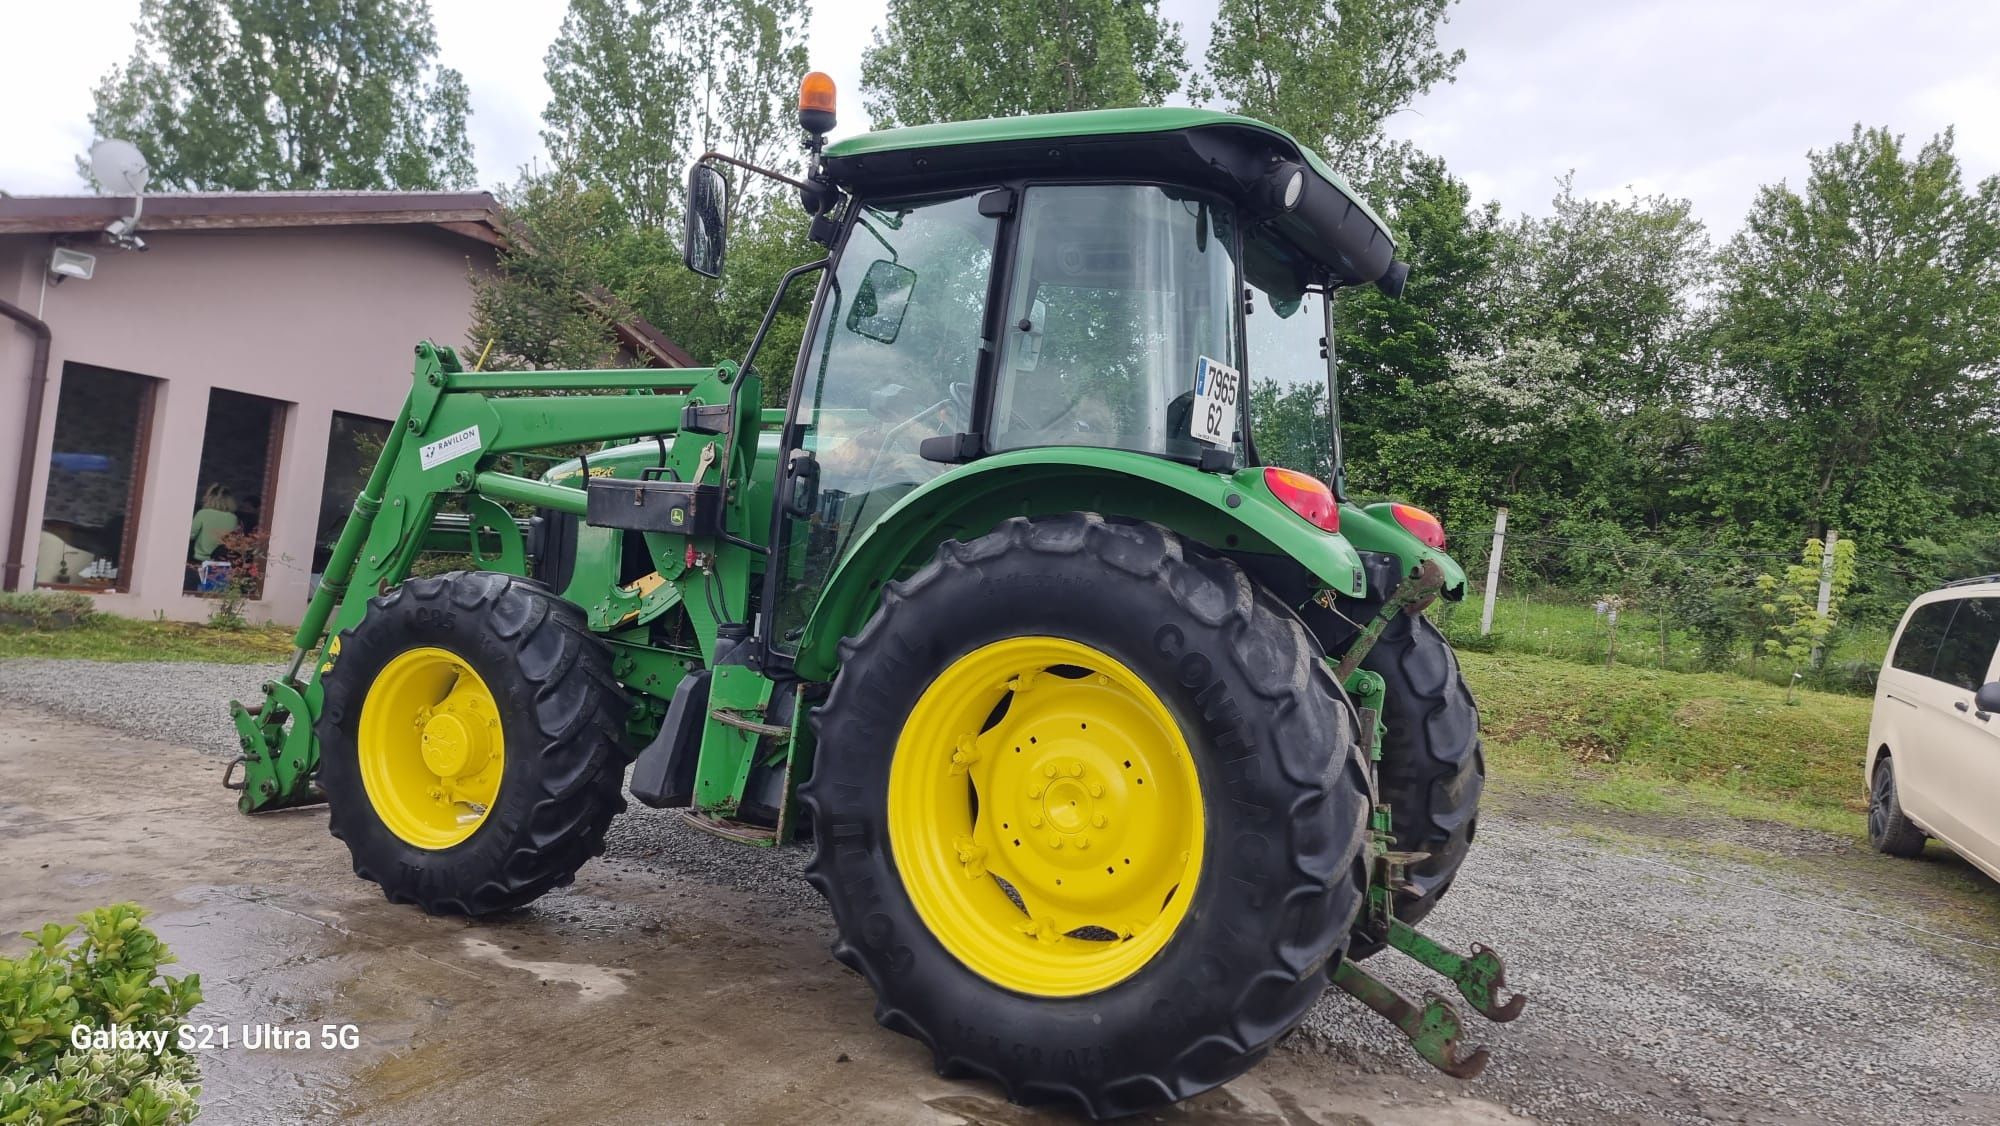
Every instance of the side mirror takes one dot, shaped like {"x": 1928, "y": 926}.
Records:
{"x": 1987, "y": 699}
{"x": 881, "y": 301}
{"x": 707, "y": 202}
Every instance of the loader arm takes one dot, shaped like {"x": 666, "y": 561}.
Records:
{"x": 446, "y": 443}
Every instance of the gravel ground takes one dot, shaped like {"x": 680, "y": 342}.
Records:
{"x": 1664, "y": 989}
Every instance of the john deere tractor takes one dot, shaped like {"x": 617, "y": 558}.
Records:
{"x": 1118, "y": 732}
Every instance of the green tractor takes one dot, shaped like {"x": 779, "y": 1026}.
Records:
{"x": 1116, "y": 743}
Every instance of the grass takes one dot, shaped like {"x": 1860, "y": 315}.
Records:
{"x": 1537, "y": 624}
{"x": 103, "y": 637}
{"x": 1655, "y": 741}
{"x": 1626, "y": 738}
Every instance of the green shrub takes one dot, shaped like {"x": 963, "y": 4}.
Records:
{"x": 46, "y": 608}
{"x": 109, "y": 976}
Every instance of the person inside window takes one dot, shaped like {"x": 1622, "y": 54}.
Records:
{"x": 215, "y": 519}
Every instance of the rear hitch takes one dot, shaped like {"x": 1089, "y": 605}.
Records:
{"x": 1434, "y": 1029}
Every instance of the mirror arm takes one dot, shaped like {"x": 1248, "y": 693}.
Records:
{"x": 761, "y": 171}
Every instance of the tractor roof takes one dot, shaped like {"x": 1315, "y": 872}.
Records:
{"x": 1196, "y": 147}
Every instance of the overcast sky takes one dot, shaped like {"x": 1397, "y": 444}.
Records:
{"x": 1704, "y": 99}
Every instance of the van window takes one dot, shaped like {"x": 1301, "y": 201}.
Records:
{"x": 1917, "y": 650}
{"x": 1969, "y": 643}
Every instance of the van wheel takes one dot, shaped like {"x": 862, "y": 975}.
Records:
{"x": 1888, "y": 830}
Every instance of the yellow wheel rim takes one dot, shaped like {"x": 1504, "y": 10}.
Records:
{"x": 1080, "y": 795}
{"x": 432, "y": 748}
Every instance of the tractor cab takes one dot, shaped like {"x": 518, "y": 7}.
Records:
{"x": 1151, "y": 281}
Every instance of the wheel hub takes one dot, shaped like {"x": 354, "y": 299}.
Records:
{"x": 1053, "y": 810}
{"x": 431, "y": 747}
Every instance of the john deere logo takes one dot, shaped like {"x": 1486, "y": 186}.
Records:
{"x": 676, "y": 516}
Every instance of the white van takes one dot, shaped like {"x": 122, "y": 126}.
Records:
{"x": 1934, "y": 741}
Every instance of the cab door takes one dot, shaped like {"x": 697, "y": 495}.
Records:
{"x": 892, "y": 359}
{"x": 1966, "y": 753}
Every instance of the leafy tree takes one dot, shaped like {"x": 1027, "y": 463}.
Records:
{"x": 540, "y": 308}
{"x": 615, "y": 101}
{"x": 1520, "y": 399}
{"x": 1328, "y": 72}
{"x": 1859, "y": 329}
{"x": 1400, "y": 434}
{"x": 951, "y": 60}
{"x": 1790, "y": 604}
{"x": 1617, "y": 281}
{"x": 289, "y": 94}
{"x": 639, "y": 88}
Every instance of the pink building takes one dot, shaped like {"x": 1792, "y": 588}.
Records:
{"x": 244, "y": 362}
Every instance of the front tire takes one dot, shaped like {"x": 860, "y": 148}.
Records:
{"x": 1037, "y": 735}
{"x": 469, "y": 742}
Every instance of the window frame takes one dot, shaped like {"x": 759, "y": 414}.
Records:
{"x": 986, "y": 390}
{"x": 135, "y": 488}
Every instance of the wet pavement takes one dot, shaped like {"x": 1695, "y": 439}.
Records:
{"x": 638, "y": 993}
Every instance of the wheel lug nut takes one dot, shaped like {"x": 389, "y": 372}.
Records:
{"x": 1049, "y": 771}
{"x": 1096, "y": 789}
{"x": 1035, "y": 790}
{"x": 1099, "y": 821}
{"x": 1076, "y": 770}
{"x": 1035, "y": 822}
{"x": 1083, "y": 842}
{"x": 1055, "y": 840}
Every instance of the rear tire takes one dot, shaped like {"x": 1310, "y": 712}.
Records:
{"x": 547, "y": 714}
{"x": 1280, "y": 814}
{"x": 1888, "y": 829}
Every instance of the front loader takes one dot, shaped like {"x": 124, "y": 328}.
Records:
{"x": 1040, "y": 609}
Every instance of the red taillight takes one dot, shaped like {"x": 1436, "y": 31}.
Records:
{"x": 1419, "y": 523}
{"x": 1306, "y": 495}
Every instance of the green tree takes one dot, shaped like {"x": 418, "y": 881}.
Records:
{"x": 952, "y": 60}
{"x": 1859, "y": 334}
{"x": 1328, "y": 72}
{"x": 1789, "y": 605}
{"x": 639, "y": 89}
{"x": 289, "y": 94}
{"x": 1401, "y": 434}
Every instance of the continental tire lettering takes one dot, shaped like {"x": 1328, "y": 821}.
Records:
{"x": 432, "y": 618}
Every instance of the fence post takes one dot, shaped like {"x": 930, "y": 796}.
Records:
{"x": 1825, "y": 586}
{"x": 1493, "y": 570}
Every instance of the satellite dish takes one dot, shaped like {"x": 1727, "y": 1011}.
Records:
{"x": 119, "y": 167}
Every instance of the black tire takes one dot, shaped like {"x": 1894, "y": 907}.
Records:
{"x": 1433, "y": 768}
{"x": 1284, "y": 869}
{"x": 561, "y": 714}
{"x": 1889, "y": 830}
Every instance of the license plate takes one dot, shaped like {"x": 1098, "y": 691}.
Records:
{"x": 1216, "y": 387}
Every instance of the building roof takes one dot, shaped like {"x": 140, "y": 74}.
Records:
{"x": 475, "y": 215}
{"x": 472, "y": 214}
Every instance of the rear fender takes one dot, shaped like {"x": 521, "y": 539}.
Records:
{"x": 1374, "y": 529}
{"x": 1233, "y": 513}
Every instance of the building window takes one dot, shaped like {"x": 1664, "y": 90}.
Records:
{"x": 351, "y": 449}
{"x": 97, "y": 470}
{"x": 230, "y": 527}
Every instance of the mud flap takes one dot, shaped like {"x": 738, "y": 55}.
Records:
{"x": 664, "y": 775}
